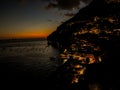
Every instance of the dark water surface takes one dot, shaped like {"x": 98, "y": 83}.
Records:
{"x": 27, "y": 64}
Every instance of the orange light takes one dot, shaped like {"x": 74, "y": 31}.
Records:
{"x": 24, "y": 35}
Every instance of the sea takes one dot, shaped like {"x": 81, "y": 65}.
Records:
{"x": 27, "y": 63}
{"x": 33, "y": 64}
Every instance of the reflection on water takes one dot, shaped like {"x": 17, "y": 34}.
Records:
{"x": 35, "y": 64}
{"x": 27, "y": 61}
{"x": 35, "y": 48}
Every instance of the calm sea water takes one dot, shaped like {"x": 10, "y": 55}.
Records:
{"x": 27, "y": 65}
{"x": 27, "y": 62}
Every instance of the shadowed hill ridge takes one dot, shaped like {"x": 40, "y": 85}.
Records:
{"x": 97, "y": 8}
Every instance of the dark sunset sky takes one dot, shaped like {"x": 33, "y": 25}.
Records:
{"x": 35, "y": 18}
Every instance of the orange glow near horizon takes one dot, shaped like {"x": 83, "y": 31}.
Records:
{"x": 22, "y": 35}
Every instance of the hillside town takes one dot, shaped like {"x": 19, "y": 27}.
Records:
{"x": 88, "y": 44}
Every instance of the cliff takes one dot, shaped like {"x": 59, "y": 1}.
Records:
{"x": 99, "y": 14}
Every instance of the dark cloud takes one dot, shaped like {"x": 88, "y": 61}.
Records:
{"x": 22, "y": 1}
{"x": 68, "y": 4}
{"x": 49, "y": 20}
{"x": 65, "y": 4}
{"x": 51, "y": 5}
{"x": 60, "y": 4}
{"x": 69, "y": 14}
{"x": 86, "y": 1}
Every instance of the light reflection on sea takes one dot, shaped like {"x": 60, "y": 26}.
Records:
{"x": 29, "y": 60}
